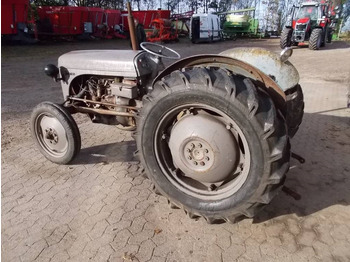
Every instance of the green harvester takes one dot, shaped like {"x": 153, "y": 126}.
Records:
{"x": 239, "y": 23}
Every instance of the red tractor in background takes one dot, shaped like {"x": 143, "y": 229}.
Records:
{"x": 311, "y": 21}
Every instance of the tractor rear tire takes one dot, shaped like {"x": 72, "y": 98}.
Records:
{"x": 213, "y": 144}
{"x": 295, "y": 109}
{"x": 329, "y": 35}
{"x": 324, "y": 35}
{"x": 315, "y": 40}
{"x": 55, "y": 132}
{"x": 286, "y": 38}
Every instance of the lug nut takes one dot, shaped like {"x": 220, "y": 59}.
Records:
{"x": 206, "y": 151}
{"x": 202, "y": 163}
{"x": 207, "y": 159}
{"x": 189, "y": 158}
{"x": 200, "y": 145}
{"x": 195, "y": 163}
{"x": 192, "y": 145}
{"x": 188, "y": 150}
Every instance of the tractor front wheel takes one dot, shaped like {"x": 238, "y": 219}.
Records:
{"x": 213, "y": 144}
{"x": 315, "y": 40}
{"x": 55, "y": 132}
{"x": 286, "y": 38}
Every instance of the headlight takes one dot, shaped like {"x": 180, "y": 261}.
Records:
{"x": 51, "y": 71}
{"x": 286, "y": 53}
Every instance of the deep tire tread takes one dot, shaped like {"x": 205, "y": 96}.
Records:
{"x": 285, "y": 40}
{"x": 295, "y": 109}
{"x": 315, "y": 41}
{"x": 258, "y": 105}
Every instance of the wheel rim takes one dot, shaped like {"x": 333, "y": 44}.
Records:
{"x": 202, "y": 151}
{"x": 51, "y": 135}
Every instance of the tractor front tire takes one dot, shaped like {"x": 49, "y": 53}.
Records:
{"x": 286, "y": 37}
{"x": 315, "y": 40}
{"x": 213, "y": 144}
{"x": 55, "y": 132}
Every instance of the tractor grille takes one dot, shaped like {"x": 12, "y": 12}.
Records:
{"x": 300, "y": 27}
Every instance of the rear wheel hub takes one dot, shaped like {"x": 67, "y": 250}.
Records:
{"x": 203, "y": 148}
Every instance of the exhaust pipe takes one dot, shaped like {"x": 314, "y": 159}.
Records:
{"x": 134, "y": 43}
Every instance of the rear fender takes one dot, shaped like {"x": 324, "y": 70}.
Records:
{"x": 284, "y": 74}
{"x": 229, "y": 61}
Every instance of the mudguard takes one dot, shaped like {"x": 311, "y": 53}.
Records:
{"x": 283, "y": 73}
{"x": 258, "y": 64}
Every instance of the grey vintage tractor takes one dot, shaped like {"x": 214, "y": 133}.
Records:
{"x": 212, "y": 131}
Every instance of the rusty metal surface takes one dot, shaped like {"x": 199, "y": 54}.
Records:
{"x": 133, "y": 38}
{"x": 82, "y": 109}
{"x": 103, "y": 103}
{"x": 234, "y": 65}
{"x": 283, "y": 73}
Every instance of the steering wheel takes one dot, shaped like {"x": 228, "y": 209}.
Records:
{"x": 158, "y": 50}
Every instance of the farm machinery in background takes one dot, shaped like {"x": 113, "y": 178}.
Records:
{"x": 162, "y": 31}
{"x": 21, "y": 22}
{"x": 91, "y": 21}
{"x": 70, "y": 21}
{"x": 239, "y": 23}
{"x": 181, "y": 21}
{"x": 17, "y": 21}
{"x": 312, "y": 22}
{"x": 165, "y": 30}
{"x": 144, "y": 17}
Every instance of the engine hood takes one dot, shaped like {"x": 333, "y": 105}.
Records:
{"x": 303, "y": 20}
{"x": 100, "y": 62}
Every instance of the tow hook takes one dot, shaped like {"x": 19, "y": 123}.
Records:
{"x": 291, "y": 193}
{"x": 298, "y": 157}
